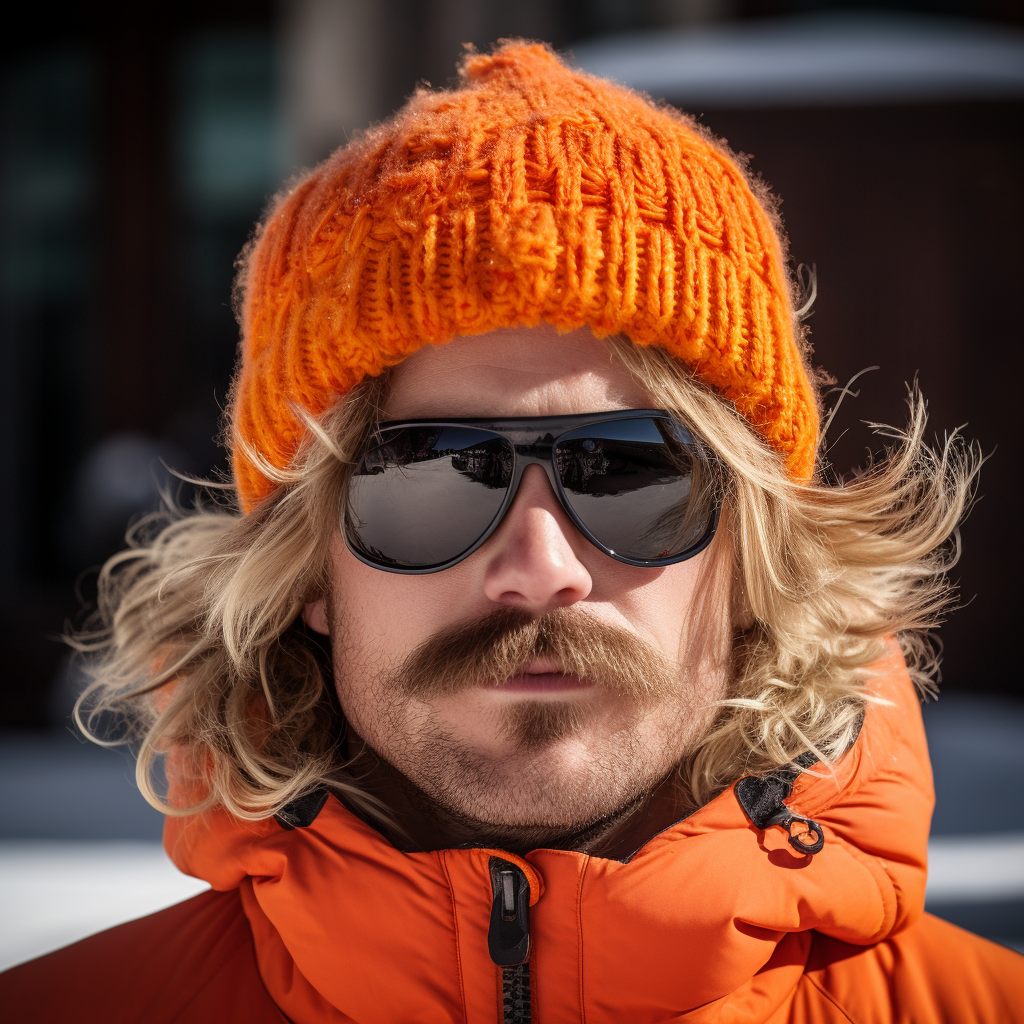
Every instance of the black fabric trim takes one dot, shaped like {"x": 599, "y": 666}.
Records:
{"x": 763, "y": 798}
{"x": 302, "y": 811}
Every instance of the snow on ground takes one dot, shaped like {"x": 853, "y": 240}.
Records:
{"x": 53, "y": 891}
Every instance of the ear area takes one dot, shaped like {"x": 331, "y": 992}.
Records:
{"x": 314, "y": 615}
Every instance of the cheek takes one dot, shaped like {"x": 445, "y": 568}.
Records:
{"x": 370, "y": 605}
{"x": 381, "y": 617}
{"x": 685, "y": 606}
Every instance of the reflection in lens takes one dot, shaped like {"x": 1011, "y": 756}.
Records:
{"x": 664, "y": 497}
{"x": 424, "y": 495}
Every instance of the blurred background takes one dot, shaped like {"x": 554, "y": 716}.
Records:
{"x": 137, "y": 149}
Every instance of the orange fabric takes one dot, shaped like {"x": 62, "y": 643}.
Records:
{"x": 946, "y": 976}
{"x": 712, "y": 921}
{"x": 193, "y": 962}
{"x": 529, "y": 193}
{"x": 930, "y": 973}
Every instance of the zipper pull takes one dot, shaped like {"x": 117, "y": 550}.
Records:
{"x": 508, "y": 937}
{"x": 805, "y": 835}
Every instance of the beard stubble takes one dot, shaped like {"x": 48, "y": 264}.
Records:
{"x": 533, "y": 787}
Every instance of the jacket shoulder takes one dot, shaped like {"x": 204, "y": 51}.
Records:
{"x": 193, "y": 962}
{"x": 930, "y": 973}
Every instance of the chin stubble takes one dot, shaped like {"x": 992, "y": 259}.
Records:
{"x": 528, "y": 791}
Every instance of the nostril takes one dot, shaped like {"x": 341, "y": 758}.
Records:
{"x": 560, "y": 599}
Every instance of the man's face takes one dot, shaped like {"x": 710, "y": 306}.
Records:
{"x": 542, "y": 749}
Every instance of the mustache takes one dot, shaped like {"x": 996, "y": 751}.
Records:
{"x": 490, "y": 650}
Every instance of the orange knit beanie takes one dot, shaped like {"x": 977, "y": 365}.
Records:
{"x": 529, "y": 193}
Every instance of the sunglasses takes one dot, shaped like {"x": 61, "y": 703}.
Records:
{"x": 425, "y": 494}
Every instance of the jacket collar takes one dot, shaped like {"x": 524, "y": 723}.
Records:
{"x": 712, "y": 911}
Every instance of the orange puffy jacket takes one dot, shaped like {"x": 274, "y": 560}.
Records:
{"x": 715, "y": 919}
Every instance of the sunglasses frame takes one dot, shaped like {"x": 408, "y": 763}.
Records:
{"x": 539, "y": 433}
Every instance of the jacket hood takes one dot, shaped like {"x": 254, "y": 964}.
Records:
{"x": 710, "y": 920}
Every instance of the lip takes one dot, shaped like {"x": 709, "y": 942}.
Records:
{"x": 544, "y": 682}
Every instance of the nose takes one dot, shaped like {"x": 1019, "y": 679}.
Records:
{"x": 533, "y": 562}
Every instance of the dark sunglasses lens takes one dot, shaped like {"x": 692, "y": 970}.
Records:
{"x": 664, "y": 496}
{"x": 423, "y": 495}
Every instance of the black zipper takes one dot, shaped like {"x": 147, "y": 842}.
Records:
{"x": 508, "y": 938}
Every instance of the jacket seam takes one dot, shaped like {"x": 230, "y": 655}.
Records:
{"x": 579, "y": 927}
{"x": 830, "y": 998}
{"x": 455, "y": 928}
{"x": 871, "y": 865}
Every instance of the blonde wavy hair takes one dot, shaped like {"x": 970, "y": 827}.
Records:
{"x": 198, "y": 644}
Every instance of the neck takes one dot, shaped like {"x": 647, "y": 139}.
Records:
{"x": 421, "y": 823}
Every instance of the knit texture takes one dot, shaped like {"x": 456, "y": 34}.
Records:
{"x": 528, "y": 193}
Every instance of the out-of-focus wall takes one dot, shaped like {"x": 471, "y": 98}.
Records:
{"x": 135, "y": 155}
{"x": 345, "y": 63}
{"x": 333, "y": 80}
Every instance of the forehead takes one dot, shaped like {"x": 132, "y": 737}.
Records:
{"x": 519, "y": 371}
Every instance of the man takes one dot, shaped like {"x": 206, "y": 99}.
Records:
{"x": 538, "y": 677}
